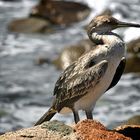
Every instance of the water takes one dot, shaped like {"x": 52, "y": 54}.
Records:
{"x": 26, "y": 88}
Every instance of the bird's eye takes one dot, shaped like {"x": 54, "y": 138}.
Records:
{"x": 90, "y": 64}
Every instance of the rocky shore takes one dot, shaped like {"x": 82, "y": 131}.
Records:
{"x": 84, "y": 130}
{"x": 48, "y": 17}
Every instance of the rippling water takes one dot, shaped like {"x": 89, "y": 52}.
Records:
{"x": 26, "y": 88}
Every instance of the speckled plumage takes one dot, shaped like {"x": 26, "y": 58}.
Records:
{"x": 85, "y": 80}
{"x": 76, "y": 81}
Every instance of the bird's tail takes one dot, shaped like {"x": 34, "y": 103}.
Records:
{"x": 47, "y": 116}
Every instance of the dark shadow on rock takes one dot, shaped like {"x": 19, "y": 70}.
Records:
{"x": 132, "y": 131}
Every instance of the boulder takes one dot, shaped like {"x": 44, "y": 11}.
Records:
{"x": 134, "y": 46}
{"x": 132, "y": 131}
{"x": 134, "y": 120}
{"x": 72, "y": 53}
{"x": 47, "y": 131}
{"x": 133, "y": 56}
{"x": 132, "y": 64}
{"x": 48, "y": 15}
{"x": 94, "y": 130}
{"x": 130, "y": 128}
{"x": 28, "y": 25}
{"x": 60, "y": 12}
{"x": 68, "y": 54}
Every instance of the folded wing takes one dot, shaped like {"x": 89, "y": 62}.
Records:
{"x": 78, "y": 85}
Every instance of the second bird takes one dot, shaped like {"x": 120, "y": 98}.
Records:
{"x": 84, "y": 81}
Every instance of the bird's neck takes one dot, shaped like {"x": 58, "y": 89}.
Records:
{"x": 106, "y": 38}
{"x": 114, "y": 44}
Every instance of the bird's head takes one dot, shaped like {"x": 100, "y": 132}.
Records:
{"x": 105, "y": 23}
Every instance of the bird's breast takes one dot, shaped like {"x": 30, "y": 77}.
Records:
{"x": 113, "y": 56}
{"x": 89, "y": 100}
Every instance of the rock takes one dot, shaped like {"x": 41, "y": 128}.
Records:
{"x": 133, "y": 59}
{"x": 60, "y": 12}
{"x": 132, "y": 64}
{"x": 58, "y": 127}
{"x": 135, "y": 120}
{"x": 130, "y": 128}
{"x": 132, "y": 131}
{"x": 55, "y": 130}
{"x": 93, "y": 130}
{"x": 29, "y": 25}
{"x": 134, "y": 46}
{"x": 68, "y": 54}
{"x": 72, "y": 53}
{"x": 47, "y": 15}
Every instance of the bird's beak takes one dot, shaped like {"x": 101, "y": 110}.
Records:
{"x": 125, "y": 24}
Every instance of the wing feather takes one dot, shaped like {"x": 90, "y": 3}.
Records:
{"x": 63, "y": 78}
{"x": 79, "y": 84}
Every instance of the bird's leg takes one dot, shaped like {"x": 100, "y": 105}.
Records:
{"x": 89, "y": 114}
{"x": 76, "y": 116}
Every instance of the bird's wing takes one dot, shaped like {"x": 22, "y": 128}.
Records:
{"x": 63, "y": 78}
{"x": 118, "y": 74}
{"x": 70, "y": 71}
{"x": 79, "y": 84}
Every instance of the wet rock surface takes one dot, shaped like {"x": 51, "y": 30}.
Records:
{"x": 48, "y": 14}
{"x": 61, "y": 12}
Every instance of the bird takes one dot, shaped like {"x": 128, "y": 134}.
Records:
{"x": 82, "y": 83}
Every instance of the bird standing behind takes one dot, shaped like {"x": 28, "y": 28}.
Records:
{"x": 85, "y": 80}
